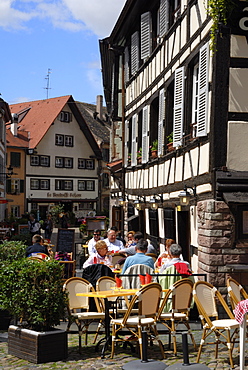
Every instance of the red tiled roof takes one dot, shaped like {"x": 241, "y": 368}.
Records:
{"x": 19, "y": 141}
{"x": 40, "y": 116}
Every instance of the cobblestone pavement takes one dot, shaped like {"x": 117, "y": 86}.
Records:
{"x": 91, "y": 360}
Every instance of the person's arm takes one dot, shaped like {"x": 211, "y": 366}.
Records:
{"x": 88, "y": 262}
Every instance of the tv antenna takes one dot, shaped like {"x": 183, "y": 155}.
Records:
{"x": 48, "y": 81}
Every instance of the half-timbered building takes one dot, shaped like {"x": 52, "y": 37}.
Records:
{"x": 167, "y": 91}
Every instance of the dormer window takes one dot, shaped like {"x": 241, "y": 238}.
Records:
{"x": 65, "y": 116}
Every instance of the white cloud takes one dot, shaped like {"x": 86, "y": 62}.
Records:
{"x": 98, "y": 16}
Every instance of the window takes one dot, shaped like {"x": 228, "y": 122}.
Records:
{"x": 15, "y": 211}
{"x": 86, "y": 185}
{"x": 90, "y": 185}
{"x": 88, "y": 164}
{"x": 81, "y": 163}
{"x": 34, "y": 184}
{"x": 44, "y": 160}
{"x": 105, "y": 154}
{"x": 68, "y": 162}
{"x": 65, "y": 116}
{"x": 88, "y": 205}
{"x": 153, "y": 222}
{"x": 68, "y": 140}
{"x": 44, "y": 184}
{"x": 34, "y": 160}
{"x": 15, "y": 159}
{"x": 59, "y": 139}
{"x": 40, "y": 160}
{"x": 81, "y": 185}
{"x": 63, "y": 184}
{"x": 169, "y": 223}
{"x": 15, "y": 186}
{"x": 59, "y": 162}
{"x": 39, "y": 184}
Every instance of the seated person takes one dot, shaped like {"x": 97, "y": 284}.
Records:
{"x": 100, "y": 256}
{"x": 130, "y": 239}
{"x": 92, "y": 242}
{"x": 113, "y": 244}
{"x": 164, "y": 256}
{"x": 175, "y": 251}
{"x": 140, "y": 257}
{"x": 130, "y": 251}
{"x": 37, "y": 246}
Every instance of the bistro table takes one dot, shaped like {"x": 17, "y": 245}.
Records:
{"x": 240, "y": 312}
{"x": 118, "y": 292}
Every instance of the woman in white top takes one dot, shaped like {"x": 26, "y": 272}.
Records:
{"x": 100, "y": 256}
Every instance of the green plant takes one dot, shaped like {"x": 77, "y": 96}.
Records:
{"x": 218, "y": 10}
{"x": 12, "y": 250}
{"x": 170, "y": 137}
{"x": 55, "y": 211}
{"x": 33, "y": 291}
{"x": 139, "y": 153}
{"x": 154, "y": 145}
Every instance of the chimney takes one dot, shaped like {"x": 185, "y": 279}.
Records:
{"x": 13, "y": 126}
{"x": 99, "y": 99}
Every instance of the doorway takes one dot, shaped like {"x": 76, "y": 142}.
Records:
{"x": 183, "y": 222}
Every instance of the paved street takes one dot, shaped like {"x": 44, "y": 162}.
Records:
{"x": 91, "y": 360}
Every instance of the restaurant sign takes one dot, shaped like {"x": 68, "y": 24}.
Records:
{"x": 64, "y": 195}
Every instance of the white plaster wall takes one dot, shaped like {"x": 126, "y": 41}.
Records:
{"x": 179, "y": 169}
{"x": 204, "y": 159}
{"x": 238, "y": 90}
{"x": 237, "y": 148}
{"x": 239, "y": 47}
{"x": 193, "y": 226}
{"x": 187, "y": 170}
{"x": 172, "y": 168}
{"x": 161, "y": 222}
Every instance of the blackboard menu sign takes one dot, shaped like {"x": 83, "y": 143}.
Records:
{"x": 65, "y": 240}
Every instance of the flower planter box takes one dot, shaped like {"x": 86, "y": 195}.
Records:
{"x": 37, "y": 347}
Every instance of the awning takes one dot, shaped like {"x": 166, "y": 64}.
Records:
{"x": 2, "y": 201}
{"x": 236, "y": 197}
{"x": 132, "y": 218}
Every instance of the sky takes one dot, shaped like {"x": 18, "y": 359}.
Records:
{"x": 55, "y": 38}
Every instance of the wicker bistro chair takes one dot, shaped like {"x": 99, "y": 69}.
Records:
{"x": 236, "y": 292}
{"x": 148, "y": 299}
{"x": 69, "y": 269}
{"x": 107, "y": 283}
{"x": 205, "y": 296}
{"x": 76, "y": 304}
{"x": 180, "y": 295}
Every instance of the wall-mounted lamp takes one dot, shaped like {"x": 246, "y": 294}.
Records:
{"x": 139, "y": 203}
{"x": 185, "y": 195}
{"x": 9, "y": 173}
{"x": 123, "y": 201}
{"x": 154, "y": 201}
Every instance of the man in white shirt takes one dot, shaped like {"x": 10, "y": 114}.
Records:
{"x": 114, "y": 245}
{"x": 92, "y": 242}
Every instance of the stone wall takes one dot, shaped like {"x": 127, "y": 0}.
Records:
{"x": 217, "y": 254}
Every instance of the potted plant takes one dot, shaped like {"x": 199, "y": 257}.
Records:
{"x": 170, "y": 147}
{"x": 139, "y": 155}
{"x": 32, "y": 292}
{"x": 154, "y": 149}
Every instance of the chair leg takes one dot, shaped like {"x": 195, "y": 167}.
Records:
{"x": 201, "y": 345}
{"x": 159, "y": 341}
{"x": 97, "y": 331}
{"x": 113, "y": 341}
{"x": 140, "y": 341}
{"x": 86, "y": 334}
{"x": 229, "y": 346}
{"x": 173, "y": 333}
{"x": 191, "y": 335}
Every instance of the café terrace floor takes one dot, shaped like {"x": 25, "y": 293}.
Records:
{"x": 91, "y": 360}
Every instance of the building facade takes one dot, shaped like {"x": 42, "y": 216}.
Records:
{"x": 61, "y": 162}
{"x": 167, "y": 92}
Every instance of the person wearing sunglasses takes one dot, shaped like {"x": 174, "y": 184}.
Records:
{"x": 92, "y": 242}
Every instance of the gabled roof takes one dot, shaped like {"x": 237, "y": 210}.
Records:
{"x": 99, "y": 128}
{"x": 36, "y": 117}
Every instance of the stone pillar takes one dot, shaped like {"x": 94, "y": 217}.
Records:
{"x": 216, "y": 235}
